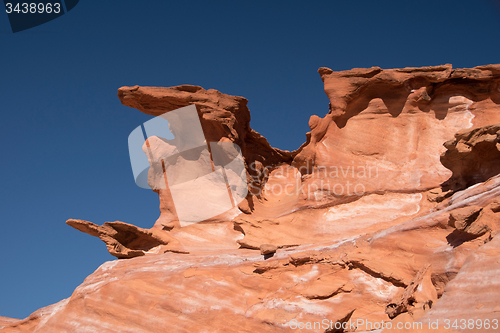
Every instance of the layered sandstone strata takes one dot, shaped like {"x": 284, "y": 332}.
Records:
{"x": 389, "y": 212}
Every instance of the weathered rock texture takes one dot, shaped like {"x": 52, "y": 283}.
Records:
{"x": 473, "y": 156}
{"x": 389, "y": 212}
{"x": 223, "y": 118}
{"x": 124, "y": 240}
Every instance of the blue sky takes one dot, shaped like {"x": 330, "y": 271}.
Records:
{"x": 64, "y": 132}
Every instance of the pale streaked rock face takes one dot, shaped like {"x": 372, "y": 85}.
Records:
{"x": 388, "y": 212}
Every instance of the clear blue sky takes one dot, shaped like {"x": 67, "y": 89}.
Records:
{"x": 64, "y": 132}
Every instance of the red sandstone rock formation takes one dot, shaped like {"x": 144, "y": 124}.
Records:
{"x": 473, "y": 156}
{"x": 389, "y": 212}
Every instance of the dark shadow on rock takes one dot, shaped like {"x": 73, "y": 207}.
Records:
{"x": 457, "y": 238}
{"x": 269, "y": 255}
{"x": 393, "y": 96}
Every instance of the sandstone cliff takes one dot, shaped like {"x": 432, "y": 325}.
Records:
{"x": 389, "y": 212}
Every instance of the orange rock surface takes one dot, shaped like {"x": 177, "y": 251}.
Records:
{"x": 388, "y": 213}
